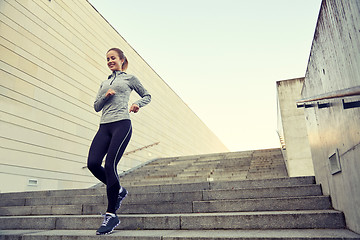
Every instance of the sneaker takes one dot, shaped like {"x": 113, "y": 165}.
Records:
{"x": 108, "y": 224}
{"x": 121, "y": 197}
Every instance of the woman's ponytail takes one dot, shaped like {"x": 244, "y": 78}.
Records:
{"x": 125, "y": 64}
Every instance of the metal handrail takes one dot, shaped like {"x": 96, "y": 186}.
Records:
{"x": 139, "y": 149}
{"x": 348, "y": 92}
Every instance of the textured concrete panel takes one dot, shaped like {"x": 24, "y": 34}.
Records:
{"x": 333, "y": 67}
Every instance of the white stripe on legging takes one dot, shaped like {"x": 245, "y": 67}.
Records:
{"x": 116, "y": 174}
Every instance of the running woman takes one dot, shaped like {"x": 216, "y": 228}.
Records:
{"x": 114, "y": 132}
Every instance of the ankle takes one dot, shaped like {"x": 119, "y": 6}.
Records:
{"x": 111, "y": 214}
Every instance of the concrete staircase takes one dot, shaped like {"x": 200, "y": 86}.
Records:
{"x": 244, "y": 195}
{"x": 232, "y": 166}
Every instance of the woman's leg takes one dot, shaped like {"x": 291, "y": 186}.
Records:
{"x": 98, "y": 149}
{"x": 121, "y": 134}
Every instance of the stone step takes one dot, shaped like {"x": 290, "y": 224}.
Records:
{"x": 263, "y": 204}
{"x": 261, "y": 175}
{"x": 218, "y": 177}
{"x": 177, "y": 175}
{"x": 226, "y": 185}
{"x": 165, "y": 203}
{"x": 243, "y": 205}
{"x": 286, "y": 234}
{"x": 262, "y": 192}
{"x": 218, "y": 163}
{"x": 189, "y": 171}
{"x": 71, "y": 200}
{"x": 266, "y": 182}
{"x": 151, "y": 167}
{"x": 161, "y": 187}
{"x": 315, "y": 219}
{"x": 167, "y": 181}
{"x": 222, "y": 158}
{"x": 42, "y": 210}
{"x": 51, "y": 193}
{"x": 170, "y": 196}
{"x": 207, "y": 195}
{"x": 212, "y": 172}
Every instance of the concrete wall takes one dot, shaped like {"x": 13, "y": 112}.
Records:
{"x": 52, "y": 61}
{"x": 292, "y": 129}
{"x": 333, "y": 66}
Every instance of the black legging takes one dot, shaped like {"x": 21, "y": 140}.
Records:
{"x": 111, "y": 139}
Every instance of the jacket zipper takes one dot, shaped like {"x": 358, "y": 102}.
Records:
{"x": 113, "y": 79}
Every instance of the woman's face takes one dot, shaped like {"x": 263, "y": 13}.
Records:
{"x": 113, "y": 61}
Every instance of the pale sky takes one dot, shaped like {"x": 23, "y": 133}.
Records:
{"x": 222, "y": 58}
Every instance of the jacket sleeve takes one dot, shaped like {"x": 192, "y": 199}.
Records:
{"x": 100, "y": 100}
{"x": 143, "y": 93}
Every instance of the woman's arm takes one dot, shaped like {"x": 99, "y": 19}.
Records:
{"x": 143, "y": 93}
{"x": 102, "y": 99}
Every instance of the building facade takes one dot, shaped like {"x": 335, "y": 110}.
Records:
{"x": 52, "y": 63}
{"x": 332, "y": 80}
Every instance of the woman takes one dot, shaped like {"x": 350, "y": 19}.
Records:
{"x": 114, "y": 132}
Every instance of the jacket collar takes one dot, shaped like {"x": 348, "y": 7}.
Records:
{"x": 115, "y": 74}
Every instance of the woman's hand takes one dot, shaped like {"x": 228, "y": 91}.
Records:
{"x": 134, "y": 108}
{"x": 110, "y": 92}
